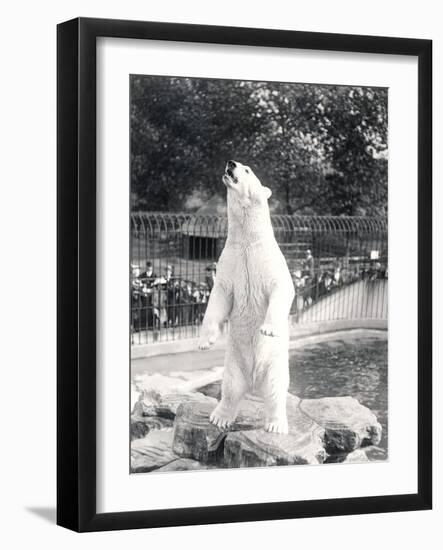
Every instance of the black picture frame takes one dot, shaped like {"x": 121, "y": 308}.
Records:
{"x": 76, "y": 280}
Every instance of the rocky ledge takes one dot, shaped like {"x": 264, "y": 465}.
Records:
{"x": 171, "y": 431}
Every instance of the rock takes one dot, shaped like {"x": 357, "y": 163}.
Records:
{"x": 138, "y": 429}
{"x": 260, "y": 448}
{"x": 194, "y": 379}
{"x": 182, "y": 464}
{"x": 157, "y": 422}
{"x": 317, "y": 428}
{"x": 180, "y": 382}
{"x": 135, "y": 396}
{"x": 376, "y": 454}
{"x": 152, "y": 451}
{"x": 348, "y": 425}
{"x": 250, "y": 414}
{"x": 356, "y": 457}
{"x": 211, "y": 390}
{"x": 194, "y": 436}
{"x": 303, "y": 444}
{"x": 165, "y": 406}
{"x": 142, "y": 425}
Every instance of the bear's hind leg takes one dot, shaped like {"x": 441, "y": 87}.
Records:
{"x": 276, "y": 419}
{"x": 275, "y": 390}
{"x": 234, "y": 387}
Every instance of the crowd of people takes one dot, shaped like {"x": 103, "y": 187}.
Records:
{"x": 312, "y": 283}
{"x": 167, "y": 300}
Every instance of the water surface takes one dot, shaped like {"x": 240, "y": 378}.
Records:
{"x": 350, "y": 366}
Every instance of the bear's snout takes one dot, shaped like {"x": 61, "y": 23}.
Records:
{"x": 230, "y": 167}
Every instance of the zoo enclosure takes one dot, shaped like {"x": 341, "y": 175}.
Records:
{"x": 338, "y": 266}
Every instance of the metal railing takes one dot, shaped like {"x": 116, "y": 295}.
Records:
{"x": 338, "y": 266}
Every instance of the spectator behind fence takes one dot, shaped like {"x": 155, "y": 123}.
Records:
{"x": 169, "y": 278}
{"x": 376, "y": 271}
{"x": 304, "y": 288}
{"x": 211, "y": 271}
{"x": 148, "y": 277}
{"x": 325, "y": 283}
{"x": 337, "y": 277}
{"x": 298, "y": 279}
{"x": 136, "y": 302}
{"x": 136, "y": 283}
{"x": 308, "y": 265}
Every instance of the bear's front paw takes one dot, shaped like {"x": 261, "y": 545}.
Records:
{"x": 278, "y": 426}
{"x": 209, "y": 334}
{"x": 222, "y": 421}
{"x": 269, "y": 330}
{"x": 206, "y": 342}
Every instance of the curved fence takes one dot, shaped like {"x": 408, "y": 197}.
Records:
{"x": 174, "y": 266}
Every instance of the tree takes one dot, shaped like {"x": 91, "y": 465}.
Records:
{"x": 322, "y": 149}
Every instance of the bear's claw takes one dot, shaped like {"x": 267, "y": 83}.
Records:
{"x": 268, "y": 330}
{"x": 206, "y": 344}
{"x": 278, "y": 427}
{"x": 221, "y": 422}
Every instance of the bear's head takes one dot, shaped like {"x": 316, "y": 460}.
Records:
{"x": 248, "y": 211}
{"x": 244, "y": 188}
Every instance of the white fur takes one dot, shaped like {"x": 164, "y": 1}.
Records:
{"x": 254, "y": 291}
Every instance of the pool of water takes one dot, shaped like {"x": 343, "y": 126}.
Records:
{"x": 351, "y": 366}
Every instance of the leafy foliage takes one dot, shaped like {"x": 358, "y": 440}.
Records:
{"x": 321, "y": 149}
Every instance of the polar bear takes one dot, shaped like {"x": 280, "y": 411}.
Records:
{"x": 253, "y": 289}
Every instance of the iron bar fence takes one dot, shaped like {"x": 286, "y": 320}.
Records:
{"x": 339, "y": 266}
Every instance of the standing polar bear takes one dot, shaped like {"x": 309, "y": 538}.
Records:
{"x": 253, "y": 289}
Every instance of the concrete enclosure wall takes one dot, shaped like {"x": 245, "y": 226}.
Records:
{"x": 359, "y": 300}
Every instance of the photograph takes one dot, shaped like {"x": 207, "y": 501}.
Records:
{"x": 231, "y": 211}
{"x": 258, "y": 274}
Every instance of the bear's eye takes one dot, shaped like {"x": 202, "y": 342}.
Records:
{"x": 247, "y": 170}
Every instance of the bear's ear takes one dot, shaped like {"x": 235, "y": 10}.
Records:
{"x": 267, "y": 191}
